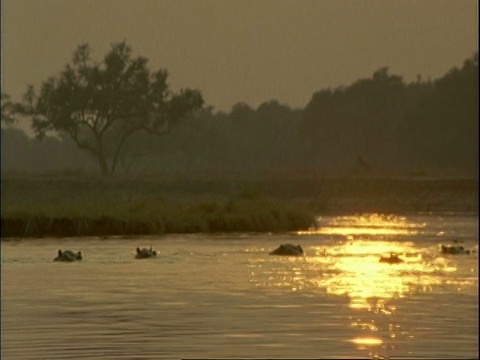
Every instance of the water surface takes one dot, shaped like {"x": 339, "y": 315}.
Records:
{"x": 224, "y": 296}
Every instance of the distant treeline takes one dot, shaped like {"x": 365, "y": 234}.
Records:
{"x": 379, "y": 125}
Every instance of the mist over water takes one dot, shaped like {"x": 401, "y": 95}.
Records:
{"x": 224, "y": 296}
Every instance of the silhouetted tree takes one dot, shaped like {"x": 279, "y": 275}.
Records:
{"x": 441, "y": 125}
{"x": 100, "y": 105}
{"x": 376, "y": 125}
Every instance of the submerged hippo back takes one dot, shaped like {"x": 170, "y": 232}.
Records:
{"x": 288, "y": 250}
{"x": 393, "y": 259}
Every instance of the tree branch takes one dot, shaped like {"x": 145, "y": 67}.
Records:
{"x": 82, "y": 145}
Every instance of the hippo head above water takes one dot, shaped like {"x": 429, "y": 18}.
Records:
{"x": 68, "y": 256}
{"x": 288, "y": 250}
{"x": 145, "y": 253}
{"x": 453, "y": 249}
{"x": 392, "y": 259}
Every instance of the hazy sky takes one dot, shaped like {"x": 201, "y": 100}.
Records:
{"x": 240, "y": 50}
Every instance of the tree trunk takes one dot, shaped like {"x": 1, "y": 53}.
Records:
{"x": 102, "y": 159}
{"x": 102, "y": 163}
{"x": 118, "y": 150}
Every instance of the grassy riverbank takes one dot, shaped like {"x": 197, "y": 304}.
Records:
{"x": 86, "y": 207}
{"x": 67, "y": 206}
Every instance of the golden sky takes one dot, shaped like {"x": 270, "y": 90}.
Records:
{"x": 243, "y": 50}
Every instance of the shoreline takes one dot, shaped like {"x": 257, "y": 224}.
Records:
{"x": 53, "y": 230}
{"x": 14, "y": 229}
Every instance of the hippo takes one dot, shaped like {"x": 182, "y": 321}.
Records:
{"x": 145, "y": 253}
{"x": 453, "y": 249}
{"x": 288, "y": 250}
{"x": 392, "y": 259}
{"x": 68, "y": 256}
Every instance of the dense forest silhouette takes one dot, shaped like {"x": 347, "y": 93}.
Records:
{"x": 376, "y": 126}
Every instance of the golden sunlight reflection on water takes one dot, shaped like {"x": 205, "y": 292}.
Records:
{"x": 371, "y": 224}
{"x": 351, "y": 268}
{"x": 358, "y": 273}
{"x": 367, "y": 341}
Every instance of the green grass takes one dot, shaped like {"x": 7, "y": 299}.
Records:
{"x": 38, "y": 207}
{"x": 83, "y": 206}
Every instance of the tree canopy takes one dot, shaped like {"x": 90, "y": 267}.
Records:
{"x": 100, "y": 104}
{"x": 7, "y": 109}
{"x": 378, "y": 125}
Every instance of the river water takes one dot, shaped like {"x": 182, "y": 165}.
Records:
{"x": 223, "y": 296}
